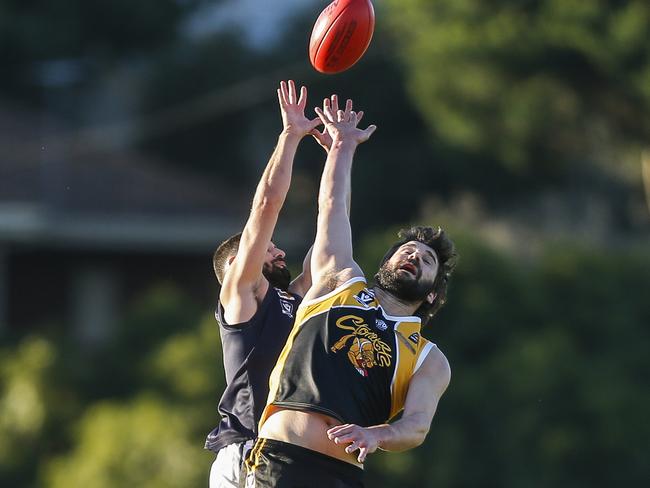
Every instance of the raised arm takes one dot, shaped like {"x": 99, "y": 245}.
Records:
{"x": 244, "y": 285}
{"x": 301, "y": 284}
{"x": 325, "y": 140}
{"x": 332, "y": 261}
{"x": 425, "y": 389}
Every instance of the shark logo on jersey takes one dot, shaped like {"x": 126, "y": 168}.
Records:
{"x": 381, "y": 325}
{"x": 287, "y": 308}
{"x": 365, "y": 297}
{"x": 415, "y": 337}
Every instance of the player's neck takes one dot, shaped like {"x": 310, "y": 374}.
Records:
{"x": 395, "y": 306}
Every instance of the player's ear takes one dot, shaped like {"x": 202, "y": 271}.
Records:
{"x": 431, "y": 297}
{"x": 230, "y": 260}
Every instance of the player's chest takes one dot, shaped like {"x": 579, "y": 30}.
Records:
{"x": 371, "y": 341}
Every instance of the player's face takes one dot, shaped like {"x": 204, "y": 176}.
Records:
{"x": 416, "y": 259}
{"x": 410, "y": 272}
{"x": 275, "y": 268}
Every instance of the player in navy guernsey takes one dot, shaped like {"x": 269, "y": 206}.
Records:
{"x": 355, "y": 358}
{"x": 257, "y": 304}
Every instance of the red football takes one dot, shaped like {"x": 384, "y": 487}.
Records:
{"x": 341, "y": 35}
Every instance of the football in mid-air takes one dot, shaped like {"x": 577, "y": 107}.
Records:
{"x": 341, "y": 35}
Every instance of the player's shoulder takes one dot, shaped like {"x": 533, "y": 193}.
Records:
{"x": 241, "y": 304}
{"x": 338, "y": 293}
{"x": 437, "y": 364}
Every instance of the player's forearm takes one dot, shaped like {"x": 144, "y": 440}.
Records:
{"x": 333, "y": 235}
{"x": 276, "y": 179}
{"x": 348, "y": 200}
{"x": 335, "y": 186}
{"x": 403, "y": 434}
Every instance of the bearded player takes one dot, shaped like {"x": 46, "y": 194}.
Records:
{"x": 325, "y": 413}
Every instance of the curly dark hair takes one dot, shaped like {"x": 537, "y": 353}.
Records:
{"x": 227, "y": 248}
{"x": 445, "y": 250}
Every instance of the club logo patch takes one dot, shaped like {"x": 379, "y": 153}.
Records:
{"x": 365, "y": 297}
{"x": 366, "y": 349}
{"x": 415, "y": 337}
{"x": 381, "y": 325}
{"x": 287, "y": 308}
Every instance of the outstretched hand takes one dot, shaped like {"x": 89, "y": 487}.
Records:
{"x": 365, "y": 440}
{"x": 292, "y": 108}
{"x": 323, "y": 137}
{"x": 341, "y": 125}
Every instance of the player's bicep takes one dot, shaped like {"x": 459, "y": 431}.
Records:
{"x": 301, "y": 284}
{"x": 332, "y": 252}
{"x": 240, "y": 304}
{"x": 426, "y": 387}
{"x": 246, "y": 268}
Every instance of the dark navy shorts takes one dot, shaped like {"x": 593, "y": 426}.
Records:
{"x": 276, "y": 464}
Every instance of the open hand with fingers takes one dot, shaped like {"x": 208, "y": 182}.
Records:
{"x": 292, "y": 107}
{"x": 323, "y": 137}
{"x": 340, "y": 125}
{"x": 365, "y": 440}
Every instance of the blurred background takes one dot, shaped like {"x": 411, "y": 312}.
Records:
{"x": 132, "y": 135}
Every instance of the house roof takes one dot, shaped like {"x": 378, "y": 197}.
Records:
{"x": 58, "y": 190}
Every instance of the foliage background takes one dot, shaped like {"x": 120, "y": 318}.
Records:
{"x": 517, "y": 125}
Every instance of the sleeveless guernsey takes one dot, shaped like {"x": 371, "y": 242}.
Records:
{"x": 347, "y": 358}
{"x": 250, "y": 350}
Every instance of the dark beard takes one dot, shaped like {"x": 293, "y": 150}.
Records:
{"x": 278, "y": 277}
{"x": 405, "y": 288}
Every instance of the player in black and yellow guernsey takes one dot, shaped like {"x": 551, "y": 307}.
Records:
{"x": 355, "y": 357}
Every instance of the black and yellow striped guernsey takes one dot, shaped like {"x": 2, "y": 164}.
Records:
{"x": 346, "y": 358}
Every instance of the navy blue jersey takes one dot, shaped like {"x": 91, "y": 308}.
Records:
{"x": 250, "y": 351}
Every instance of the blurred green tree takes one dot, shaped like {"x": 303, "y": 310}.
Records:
{"x": 549, "y": 364}
{"x": 116, "y": 369}
{"x": 144, "y": 442}
{"x": 155, "y": 437}
{"x": 549, "y": 360}
{"x": 188, "y": 365}
{"x": 25, "y": 391}
{"x": 534, "y": 84}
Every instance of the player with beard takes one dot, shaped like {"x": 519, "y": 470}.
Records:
{"x": 257, "y": 301}
{"x": 355, "y": 358}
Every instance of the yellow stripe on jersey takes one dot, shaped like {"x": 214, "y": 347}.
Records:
{"x": 410, "y": 346}
{"x": 333, "y": 299}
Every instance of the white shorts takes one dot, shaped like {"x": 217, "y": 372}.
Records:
{"x": 226, "y": 468}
